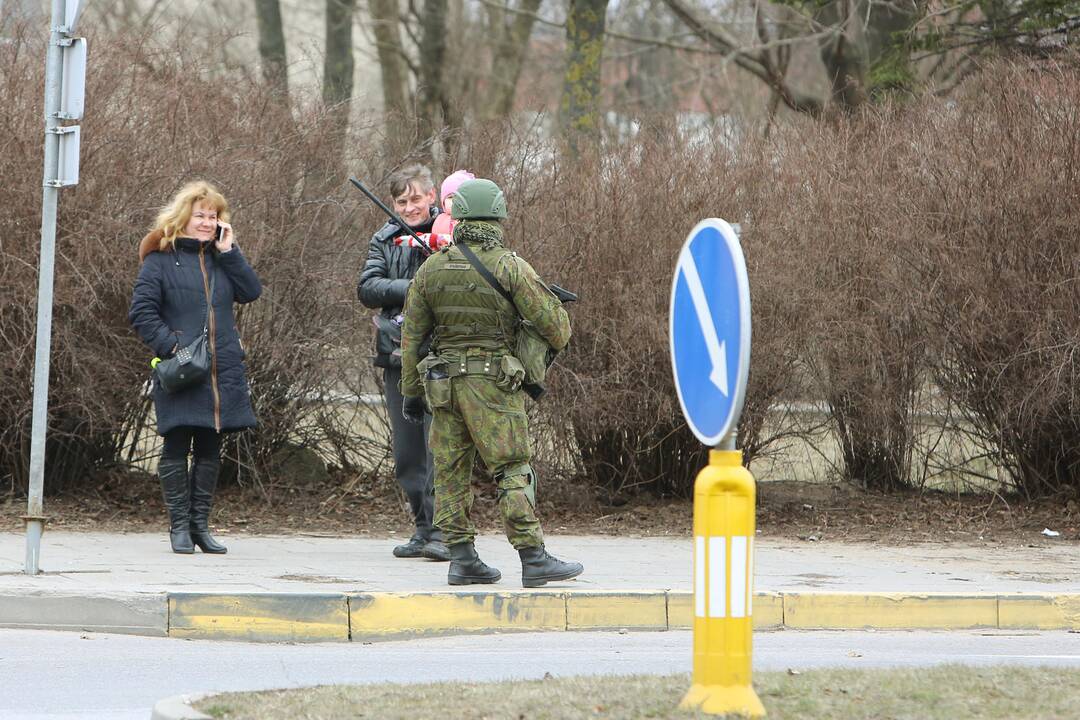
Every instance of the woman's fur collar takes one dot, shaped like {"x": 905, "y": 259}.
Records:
{"x": 150, "y": 243}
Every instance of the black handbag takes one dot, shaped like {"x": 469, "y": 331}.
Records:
{"x": 190, "y": 365}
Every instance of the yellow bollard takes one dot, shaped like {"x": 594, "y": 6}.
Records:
{"x": 724, "y": 499}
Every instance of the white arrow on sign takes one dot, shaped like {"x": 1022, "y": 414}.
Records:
{"x": 717, "y": 356}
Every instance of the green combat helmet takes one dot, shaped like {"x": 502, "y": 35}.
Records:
{"x": 479, "y": 200}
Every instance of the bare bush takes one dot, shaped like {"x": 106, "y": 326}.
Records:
{"x": 843, "y": 209}
{"x": 156, "y": 118}
{"x": 610, "y": 226}
{"x": 1000, "y": 262}
{"x": 912, "y": 258}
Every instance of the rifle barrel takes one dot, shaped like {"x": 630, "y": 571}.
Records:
{"x": 390, "y": 213}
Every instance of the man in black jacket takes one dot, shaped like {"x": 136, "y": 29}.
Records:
{"x": 391, "y": 263}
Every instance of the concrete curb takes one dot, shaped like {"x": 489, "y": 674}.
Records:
{"x": 366, "y": 617}
{"x": 178, "y": 707}
{"x": 126, "y": 613}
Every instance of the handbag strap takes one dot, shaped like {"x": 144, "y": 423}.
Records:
{"x": 485, "y": 273}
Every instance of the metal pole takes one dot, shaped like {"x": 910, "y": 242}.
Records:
{"x": 35, "y": 520}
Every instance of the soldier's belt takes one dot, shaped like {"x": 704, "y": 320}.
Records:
{"x": 474, "y": 366}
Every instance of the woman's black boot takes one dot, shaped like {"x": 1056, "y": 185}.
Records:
{"x": 204, "y": 477}
{"x": 177, "y": 494}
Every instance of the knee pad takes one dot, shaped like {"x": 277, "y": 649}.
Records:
{"x": 518, "y": 477}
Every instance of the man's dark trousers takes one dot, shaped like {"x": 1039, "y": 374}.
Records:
{"x": 413, "y": 463}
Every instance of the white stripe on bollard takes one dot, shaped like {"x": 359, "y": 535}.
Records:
{"x": 717, "y": 576}
{"x": 750, "y": 585}
{"x": 699, "y": 576}
{"x": 738, "y": 577}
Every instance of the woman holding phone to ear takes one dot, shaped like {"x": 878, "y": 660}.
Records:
{"x": 192, "y": 272}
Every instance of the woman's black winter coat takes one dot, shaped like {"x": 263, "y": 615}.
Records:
{"x": 168, "y": 308}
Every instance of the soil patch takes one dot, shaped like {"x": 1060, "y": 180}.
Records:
{"x": 796, "y": 510}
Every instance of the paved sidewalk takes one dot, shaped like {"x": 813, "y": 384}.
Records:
{"x": 309, "y": 588}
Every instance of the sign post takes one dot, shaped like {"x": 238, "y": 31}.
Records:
{"x": 65, "y": 72}
{"x": 709, "y": 330}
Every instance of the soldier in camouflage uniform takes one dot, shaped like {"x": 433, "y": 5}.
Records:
{"x": 472, "y": 383}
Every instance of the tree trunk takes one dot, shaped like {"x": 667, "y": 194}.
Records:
{"x": 338, "y": 63}
{"x": 337, "y": 82}
{"x": 387, "y": 30}
{"x": 844, "y": 57}
{"x": 272, "y": 47}
{"x": 433, "y": 100}
{"x": 509, "y": 59}
{"x": 579, "y": 108}
{"x": 889, "y": 61}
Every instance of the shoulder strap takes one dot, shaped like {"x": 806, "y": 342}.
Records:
{"x": 484, "y": 272}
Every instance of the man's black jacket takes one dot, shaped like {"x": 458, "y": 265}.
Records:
{"x": 383, "y": 282}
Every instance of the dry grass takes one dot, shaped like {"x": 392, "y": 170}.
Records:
{"x": 939, "y": 693}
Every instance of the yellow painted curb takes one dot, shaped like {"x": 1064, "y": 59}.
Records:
{"x": 1041, "y": 611}
{"x": 616, "y": 610}
{"x": 680, "y": 610}
{"x": 274, "y": 617}
{"x": 269, "y": 617}
{"x": 386, "y": 615}
{"x": 768, "y": 610}
{"x": 889, "y": 611}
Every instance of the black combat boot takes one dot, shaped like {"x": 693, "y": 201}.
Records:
{"x": 412, "y": 549}
{"x": 436, "y": 550}
{"x": 466, "y": 567}
{"x": 177, "y": 494}
{"x": 539, "y": 568}
{"x": 204, "y": 477}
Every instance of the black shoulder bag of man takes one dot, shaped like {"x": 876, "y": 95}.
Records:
{"x": 190, "y": 365}
{"x": 530, "y": 347}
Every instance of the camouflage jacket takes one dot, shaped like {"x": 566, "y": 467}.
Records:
{"x": 451, "y": 302}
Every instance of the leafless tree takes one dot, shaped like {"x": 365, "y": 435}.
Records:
{"x": 579, "y": 106}
{"x": 275, "y": 67}
{"x": 393, "y": 65}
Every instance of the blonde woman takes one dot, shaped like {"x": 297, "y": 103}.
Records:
{"x": 191, "y": 250}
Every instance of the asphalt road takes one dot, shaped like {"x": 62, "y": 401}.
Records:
{"x": 54, "y": 675}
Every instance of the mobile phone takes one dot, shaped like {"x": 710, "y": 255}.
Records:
{"x": 220, "y": 232}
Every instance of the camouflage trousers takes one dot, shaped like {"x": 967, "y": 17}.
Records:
{"x": 482, "y": 419}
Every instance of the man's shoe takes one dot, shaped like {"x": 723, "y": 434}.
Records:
{"x": 539, "y": 568}
{"x": 466, "y": 567}
{"x": 412, "y": 549}
{"x": 436, "y": 550}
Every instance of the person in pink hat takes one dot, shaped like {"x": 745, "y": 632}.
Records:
{"x": 444, "y": 224}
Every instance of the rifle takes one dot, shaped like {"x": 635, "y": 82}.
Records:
{"x": 564, "y": 295}
{"x": 392, "y": 215}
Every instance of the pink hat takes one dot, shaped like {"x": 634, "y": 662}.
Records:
{"x": 452, "y": 182}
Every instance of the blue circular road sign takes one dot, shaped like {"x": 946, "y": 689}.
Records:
{"x": 709, "y": 330}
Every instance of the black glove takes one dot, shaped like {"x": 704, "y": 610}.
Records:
{"x": 413, "y": 409}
